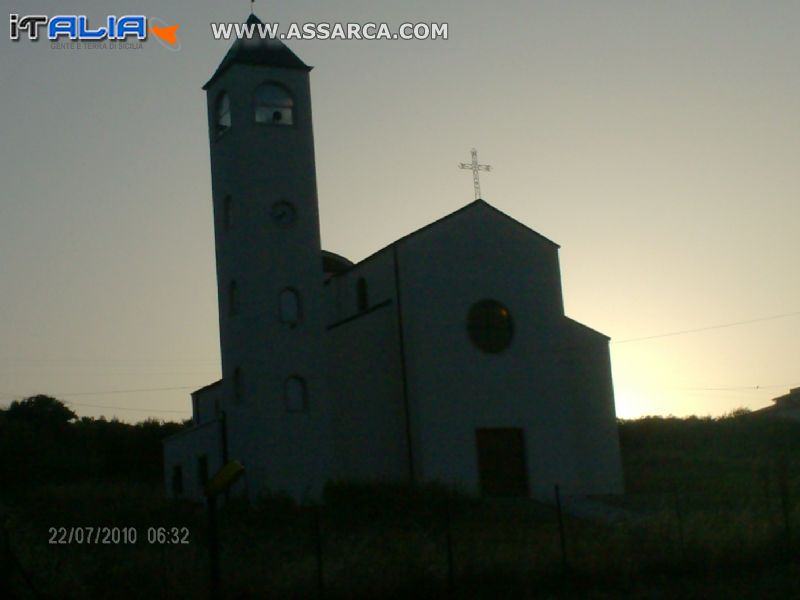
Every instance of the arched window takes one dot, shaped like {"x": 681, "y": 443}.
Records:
{"x": 177, "y": 480}
{"x": 202, "y": 469}
{"x": 294, "y": 391}
{"x": 273, "y": 105}
{"x": 227, "y": 213}
{"x": 233, "y": 300}
{"x": 362, "y": 294}
{"x": 291, "y": 311}
{"x": 222, "y": 114}
{"x": 238, "y": 392}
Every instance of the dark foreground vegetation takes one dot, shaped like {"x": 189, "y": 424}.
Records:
{"x": 713, "y": 510}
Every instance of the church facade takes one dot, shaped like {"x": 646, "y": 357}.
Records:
{"x": 446, "y": 356}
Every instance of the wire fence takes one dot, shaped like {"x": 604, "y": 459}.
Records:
{"x": 442, "y": 546}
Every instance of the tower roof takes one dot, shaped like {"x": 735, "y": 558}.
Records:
{"x": 257, "y": 51}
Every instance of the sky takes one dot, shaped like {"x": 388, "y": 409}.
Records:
{"x": 657, "y": 142}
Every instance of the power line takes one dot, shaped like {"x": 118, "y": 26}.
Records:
{"x": 102, "y": 393}
{"x": 128, "y": 408}
{"x": 707, "y": 328}
{"x": 132, "y": 361}
{"x": 161, "y": 410}
{"x": 629, "y": 340}
{"x": 165, "y": 389}
{"x": 735, "y": 388}
{"x": 739, "y": 388}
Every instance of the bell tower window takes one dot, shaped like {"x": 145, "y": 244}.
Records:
{"x": 273, "y": 105}
{"x": 177, "y": 480}
{"x": 295, "y": 394}
{"x": 290, "y": 307}
{"x": 222, "y": 114}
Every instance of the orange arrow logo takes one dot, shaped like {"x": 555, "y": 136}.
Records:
{"x": 168, "y": 34}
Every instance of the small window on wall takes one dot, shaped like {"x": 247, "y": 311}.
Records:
{"x": 222, "y": 114}
{"x": 290, "y": 307}
{"x": 177, "y": 481}
{"x": 273, "y": 105}
{"x": 295, "y": 394}
{"x": 227, "y": 213}
{"x": 202, "y": 469}
{"x": 238, "y": 392}
{"x": 362, "y": 294}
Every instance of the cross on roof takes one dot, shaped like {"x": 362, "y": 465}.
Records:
{"x": 475, "y": 167}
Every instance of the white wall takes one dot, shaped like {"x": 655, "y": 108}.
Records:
{"x": 456, "y": 388}
{"x": 206, "y": 403}
{"x": 367, "y": 396}
{"x": 258, "y": 165}
{"x": 365, "y": 376}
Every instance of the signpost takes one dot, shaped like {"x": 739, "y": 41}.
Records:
{"x": 220, "y": 482}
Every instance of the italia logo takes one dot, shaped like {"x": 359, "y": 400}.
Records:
{"x": 77, "y": 27}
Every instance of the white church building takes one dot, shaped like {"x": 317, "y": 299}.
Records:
{"x": 445, "y": 356}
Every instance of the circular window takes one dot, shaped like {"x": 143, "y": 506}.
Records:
{"x": 489, "y": 325}
{"x": 283, "y": 213}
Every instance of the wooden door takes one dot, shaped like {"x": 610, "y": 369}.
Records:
{"x": 501, "y": 462}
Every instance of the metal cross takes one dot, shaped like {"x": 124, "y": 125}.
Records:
{"x": 475, "y": 168}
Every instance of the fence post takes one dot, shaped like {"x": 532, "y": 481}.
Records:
{"x": 318, "y": 550}
{"x": 448, "y": 533}
{"x": 766, "y": 482}
{"x": 213, "y": 547}
{"x": 5, "y": 560}
{"x": 783, "y": 488}
{"x": 679, "y": 515}
{"x": 10, "y": 561}
{"x": 562, "y": 536}
{"x": 164, "y": 582}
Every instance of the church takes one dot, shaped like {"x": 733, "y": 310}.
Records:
{"x": 444, "y": 357}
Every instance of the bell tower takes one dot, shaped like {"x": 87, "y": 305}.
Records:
{"x": 269, "y": 267}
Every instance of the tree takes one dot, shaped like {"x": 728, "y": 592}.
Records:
{"x": 41, "y": 410}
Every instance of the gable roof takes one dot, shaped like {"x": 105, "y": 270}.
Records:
{"x": 206, "y": 387}
{"x": 476, "y": 204}
{"x": 586, "y": 328}
{"x": 257, "y": 51}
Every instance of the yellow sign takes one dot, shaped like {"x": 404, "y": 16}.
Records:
{"x": 224, "y": 478}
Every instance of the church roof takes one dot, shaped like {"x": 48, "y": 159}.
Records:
{"x": 479, "y": 203}
{"x": 471, "y": 206}
{"x": 206, "y": 387}
{"x": 255, "y": 51}
{"x": 579, "y": 325}
{"x": 335, "y": 263}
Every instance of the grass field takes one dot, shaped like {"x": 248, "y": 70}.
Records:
{"x": 712, "y": 511}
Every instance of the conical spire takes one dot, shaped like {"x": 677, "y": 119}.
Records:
{"x": 255, "y": 51}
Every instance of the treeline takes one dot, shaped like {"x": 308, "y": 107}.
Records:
{"x": 43, "y": 440}
{"x": 737, "y": 454}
